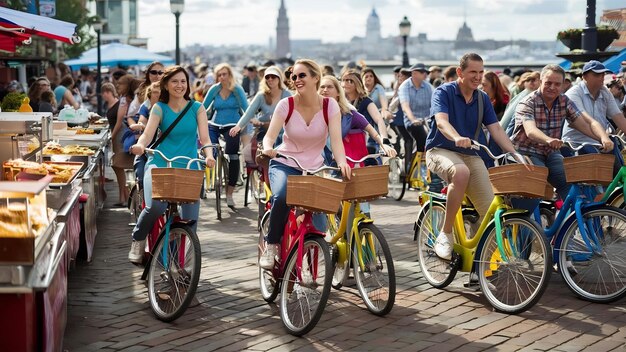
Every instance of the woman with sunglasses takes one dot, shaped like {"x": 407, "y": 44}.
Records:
{"x": 357, "y": 96}
{"x": 226, "y": 101}
{"x": 304, "y": 138}
{"x": 272, "y": 89}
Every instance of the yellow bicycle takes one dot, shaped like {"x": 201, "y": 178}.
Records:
{"x": 418, "y": 176}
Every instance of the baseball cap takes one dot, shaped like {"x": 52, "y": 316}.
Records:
{"x": 273, "y": 70}
{"x": 418, "y": 67}
{"x": 397, "y": 69}
{"x": 595, "y": 66}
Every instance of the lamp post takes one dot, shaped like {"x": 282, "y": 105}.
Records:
{"x": 405, "y": 31}
{"x": 177, "y": 7}
{"x": 98, "y": 25}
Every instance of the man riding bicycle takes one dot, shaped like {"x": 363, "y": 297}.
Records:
{"x": 455, "y": 110}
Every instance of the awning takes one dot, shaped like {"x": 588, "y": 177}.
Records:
{"x": 10, "y": 38}
{"x": 38, "y": 25}
{"x": 117, "y": 54}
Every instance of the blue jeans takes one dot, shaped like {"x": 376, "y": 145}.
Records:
{"x": 556, "y": 171}
{"x": 279, "y": 213}
{"x": 155, "y": 208}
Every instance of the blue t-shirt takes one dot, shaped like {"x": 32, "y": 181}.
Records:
{"x": 461, "y": 115}
{"x": 182, "y": 140}
{"x": 376, "y": 93}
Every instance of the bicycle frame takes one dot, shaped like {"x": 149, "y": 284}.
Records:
{"x": 467, "y": 248}
{"x": 351, "y": 218}
{"x": 416, "y": 163}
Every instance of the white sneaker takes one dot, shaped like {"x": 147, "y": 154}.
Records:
{"x": 267, "y": 258}
{"x": 443, "y": 248}
{"x": 136, "y": 251}
{"x": 230, "y": 202}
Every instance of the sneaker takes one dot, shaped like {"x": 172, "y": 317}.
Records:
{"x": 443, "y": 248}
{"x": 267, "y": 258}
{"x": 230, "y": 202}
{"x": 136, "y": 251}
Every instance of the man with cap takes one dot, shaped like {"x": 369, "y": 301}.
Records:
{"x": 539, "y": 119}
{"x": 591, "y": 96}
{"x": 434, "y": 76}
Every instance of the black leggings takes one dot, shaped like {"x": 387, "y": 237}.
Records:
{"x": 232, "y": 150}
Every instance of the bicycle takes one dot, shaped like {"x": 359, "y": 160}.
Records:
{"x": 135, "y": 196}
{"x": 418, "y": 175}
{"x": 356, "y": 237}
{"x": 509, "y": 253}
{"x": 173, "y": 268}
{"x": 589, "y": 236}
{"x": 217, "y": 177}
{"x": 303, "y": 273}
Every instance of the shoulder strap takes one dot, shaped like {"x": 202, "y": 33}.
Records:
{"x": 325, "y": 110}
{"x": 291, "y": 107}
{"x": 481, "y": 112}
{"x": 171, "y": 127}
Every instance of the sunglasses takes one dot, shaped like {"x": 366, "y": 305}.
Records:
{"x": 349, "y": 80}
{"x": 268, "y": 77}
{"x": 155, "y": 72}
{"x": 300, "y": 75}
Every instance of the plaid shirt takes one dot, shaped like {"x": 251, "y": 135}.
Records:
{"x": 550, "y": 122}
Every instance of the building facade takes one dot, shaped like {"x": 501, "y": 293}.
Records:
{"x": 283, "y": 45}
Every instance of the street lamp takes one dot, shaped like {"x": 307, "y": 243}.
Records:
{"x": 177, "y": 7}
{"x": 97, "y": 26}
{"x": 405, "y": 31}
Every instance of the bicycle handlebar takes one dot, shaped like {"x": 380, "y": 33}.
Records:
{"x": 170, "y": 161}
{"x": 620, "y": 138}
{"x": 571, "y": 146}
{"x": 477, "y": 146}
{"x": 320, "y": 169}
{"x": 369, "y": 156}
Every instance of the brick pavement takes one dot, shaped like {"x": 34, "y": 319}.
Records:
{"x": 108, "y": 305}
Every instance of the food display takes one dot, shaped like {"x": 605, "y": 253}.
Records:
{"x": 84, "y": 131}
{"x": 53, "y": 148}
{"x": 61, "y": 172}
{"x": 23, "y": 215}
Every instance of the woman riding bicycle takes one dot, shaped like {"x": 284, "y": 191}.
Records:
{"x": 181, "y": 141}
{"x": 306, "y": 130}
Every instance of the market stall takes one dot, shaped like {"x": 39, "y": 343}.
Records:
{"x": 51, "y": 188}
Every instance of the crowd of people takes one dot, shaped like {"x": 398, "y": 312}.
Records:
{"x": 430, "y": 110}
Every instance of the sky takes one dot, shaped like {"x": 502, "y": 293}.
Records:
{"x": 226, "y": 22}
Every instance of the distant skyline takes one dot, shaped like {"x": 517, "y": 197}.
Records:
{"x": 244, "y": 22}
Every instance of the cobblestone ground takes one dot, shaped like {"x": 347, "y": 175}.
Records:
{"x": 108, "y": 306}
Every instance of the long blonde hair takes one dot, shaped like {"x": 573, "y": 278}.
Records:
{"x": 231, "y": 81}
{"x": 344, "y": 105}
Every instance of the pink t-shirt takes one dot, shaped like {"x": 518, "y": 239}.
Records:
{"x": 303, "y": 142}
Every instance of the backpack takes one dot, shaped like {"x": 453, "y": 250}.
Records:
{"x": 292, "y": 105}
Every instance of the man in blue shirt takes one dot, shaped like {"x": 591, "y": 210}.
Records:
{"x": 455, "y": 111}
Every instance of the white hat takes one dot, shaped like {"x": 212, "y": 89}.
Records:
{"x": 272, "y": 70}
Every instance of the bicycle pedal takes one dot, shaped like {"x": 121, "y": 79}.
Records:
{"x": 455, "y": 261}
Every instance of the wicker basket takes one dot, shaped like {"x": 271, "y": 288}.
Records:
{"x": 515, "y": 179}
{"x": 367, "y": 183}
{"x": 176, "y": 185}
{"x": 589, "y": 168}
{"x": 315, "y": 193}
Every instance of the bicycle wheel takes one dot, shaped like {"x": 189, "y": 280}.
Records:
{"x": 438, "y": 272}
{"x": 397, "y": 182}
{"x": 616, "y": 199}
{"x": 136, "y": 203}
{"x": 267, "y": 281}
{"x": 514, "y": 276}
{"x": 373, "y": 270}
{"x": 302, "y": 302}
{"x": 594, "y": 264}
{"x": 173, "y": 277}
{"x": 246, "y": 190}
{"x": 218, "y": 185}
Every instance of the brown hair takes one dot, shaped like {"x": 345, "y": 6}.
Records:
{"x": 169, "y": 73}
{"x": 109, "y": 87}
{"x": 465, "y": 59}
{"x": 358, "y": 84}
{"x": 376, "y": 79}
